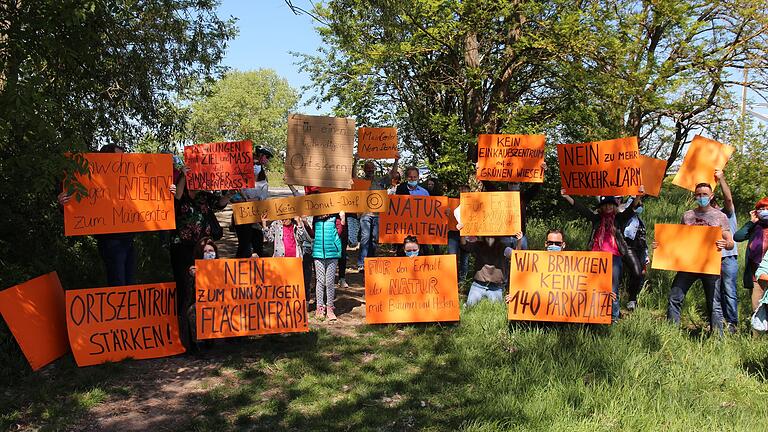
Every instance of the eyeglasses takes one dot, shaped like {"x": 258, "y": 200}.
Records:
{"x": 554, "y": 243}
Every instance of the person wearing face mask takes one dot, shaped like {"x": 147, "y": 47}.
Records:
{"x": 703, "y": 215}
{"x": 250, "y": 237}
{"x": 729, "y": 264}
{"x": 369, "y": 222}
{"x": 411, "y": 185}
{"x": 411, "y": 246}
{"x": 756, "y": 232}
{"x": 607, "y": 226}
{"x": 635, "y": 235}
{"x": 205, "y": 249}
{"x": 555, "y": 242}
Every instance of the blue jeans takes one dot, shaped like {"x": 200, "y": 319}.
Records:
{"x": 369, "y": 237}
{"x": 454, "y": 248}
{"x": 353, "y": 227}
{"x": 680, "y": 286}
{"x": 615, "y": 282}
{"x": 481, "y": 290}
{"x": 119, "y": 260}
{"x": 729, "y": 274}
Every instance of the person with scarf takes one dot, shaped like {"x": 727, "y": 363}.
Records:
{"x": 756, "y": 231}
{"x": 607, "y": 236}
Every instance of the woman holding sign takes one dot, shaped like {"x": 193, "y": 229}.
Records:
{"x": 756, "y": 231}
{"x": 205, "y": 249}
{"x": 607, "y": 235}
{"x": 250, "y": 238}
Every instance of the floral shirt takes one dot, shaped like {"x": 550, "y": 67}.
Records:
{"x": 192, "y": 217}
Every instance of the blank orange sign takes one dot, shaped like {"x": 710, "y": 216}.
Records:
{"x": 701, "y": 160}
{"x": 688, "y": 248}
{"x": 245, "y": 297}
{"x": 652, "y": 172}
{"x": 409, "y": 290}
{"x": 116, "y": 323}
{"x": 510, "y": 158}
{"x": 220, "y": 165}
{"x": 600, "y": 168}
{"x": 34, "y": 311}
{"x": 422, "y": 216}
{"x": 560, "y": 286}
{"x": 490, "y": 213}
{"x": 377, "y": 143}
{"x": 126, "y": 193}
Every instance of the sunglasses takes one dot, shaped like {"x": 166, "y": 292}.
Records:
{"x": 554, "y": 243}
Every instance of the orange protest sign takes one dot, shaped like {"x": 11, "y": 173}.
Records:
{"x": 652, "y": 172}
{"x": 510, "y": 158}
{"x": 377, "y": 143}
{"x": 245, "y": 297}
{"x": 319, "y": 151}
{"x": 220, "y": 165}
{"x": 421, "y": 216}
{"x": 115, "y": 323}
{"x": 126, "y": 193}
{"x": 560, "y": 286}
{"x": 34, "y": 312}
{"x": 357, "y": 185}
{"x": 688, "y": 248}
{"x": 600, "y": 168}
{"x": 453, "y": 203}
{"x": 490, "y": 213}
{"x": 701, "y": 160}
{"x": 311, "y": 205}
{"x": 410, "y": 290}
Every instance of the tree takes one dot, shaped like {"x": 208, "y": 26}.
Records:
{"x": 245, "y": 105}
{"x": 576, "y": 71}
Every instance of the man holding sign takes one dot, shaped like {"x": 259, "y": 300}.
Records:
{"x": 702, "y": 215}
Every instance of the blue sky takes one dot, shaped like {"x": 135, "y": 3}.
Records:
{"x": 269, "y": 30}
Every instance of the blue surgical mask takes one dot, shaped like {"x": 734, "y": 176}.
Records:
{"x": 209, "y": 255}
{"x": 639, "y": 210}
{"x": 762, "y": 214}
{"x": 411, "y": 254}
{"x": 554, "y": 248}
{"x": 412, "y": 183}
{"x": 257, "y": 169}
{"x": 702, "y": 201}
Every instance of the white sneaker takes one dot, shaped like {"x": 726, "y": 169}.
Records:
{"x": 632, "y": 305}
{"x": 343, "y": 283}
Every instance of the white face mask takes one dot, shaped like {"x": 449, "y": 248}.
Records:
{"x": 209, "y": 255}
{"x": 257, "y": 170}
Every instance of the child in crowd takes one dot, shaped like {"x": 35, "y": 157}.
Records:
{"x": 411, "y": 246}
{"x": 288, "y": 235}
{"x": 326, "y": 252}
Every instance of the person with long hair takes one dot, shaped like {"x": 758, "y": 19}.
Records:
{"x": 607, "y": 235}
{"x": 204, "y": 249}
{"x": 756, "y": 232}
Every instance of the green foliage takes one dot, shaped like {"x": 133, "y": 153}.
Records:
{"x": 245, "y": 105}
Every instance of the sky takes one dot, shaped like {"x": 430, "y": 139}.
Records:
{"x": 269, "y": 31}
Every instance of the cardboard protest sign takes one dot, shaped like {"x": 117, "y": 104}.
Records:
{"x": 453, "y": 204}
{"x": 245, "y": 297}
{"x": 126, "y": 193}
{"x": 34, "y": 312}
{"x": 115, "y": 323}
{"x": 490, "y": 213}
{"x": 421, "y": 216}
{"x": 220, "y": 166}
{"x": 409, "y": 290}
{"x": 319, "y": 151}
{"x": 357, "y": 185}
{"x": 701, "y": 160}
{"x": 560, "y": 286}
{"x": 600, "y": 168}
{"x": 311, "y": 205}
{"x": 652, "y": 172}
{"x": 510, "y": 158}
{"x": 688, "y": 248}
{"x": 377, "y": 143}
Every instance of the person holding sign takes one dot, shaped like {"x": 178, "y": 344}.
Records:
{"x": 411, "y": 247}
{"x": 411, "y": 185}
{"x": 116, "y": 250}
{"x": 756, "y": 231}
{"x": 326, "y": 252}
{"x": 205, "y": 249}
{"x": 250, "y": 238}
{"x": 491, "y": 267}
{"x": 369, "y": 222}
{"x": 729, "y": 264}
{"x": 703, "y": 215}
{"x": 555, "y": 242}
{"x": 607, "y": 226}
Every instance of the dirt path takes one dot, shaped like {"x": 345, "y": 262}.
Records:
{"x": 163, "y": 394}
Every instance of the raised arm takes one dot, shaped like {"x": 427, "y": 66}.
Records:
{"x": 728, "y": 207}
